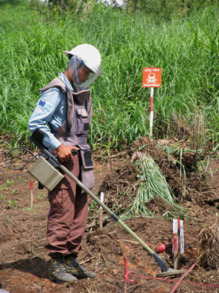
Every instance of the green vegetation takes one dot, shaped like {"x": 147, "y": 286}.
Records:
{"x": 9, "y": 217}
{"x": 153, "y": 185}
{"x": 41, "y": 195}
{"x": 12, "y": 203}
{"x": 184, "y": 44}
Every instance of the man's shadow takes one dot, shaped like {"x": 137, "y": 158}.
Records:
{"x": 36, "y": 266}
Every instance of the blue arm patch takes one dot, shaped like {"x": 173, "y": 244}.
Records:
{"x": 45, "y": 105}
{"x": 41, "y": 103}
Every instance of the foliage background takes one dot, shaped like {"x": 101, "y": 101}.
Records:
{"x": 179, "y": 36}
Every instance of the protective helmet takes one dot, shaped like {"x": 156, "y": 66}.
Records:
{"x": 89, "y": 54}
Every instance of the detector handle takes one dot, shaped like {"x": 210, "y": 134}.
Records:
{"x": 37, "y": 139}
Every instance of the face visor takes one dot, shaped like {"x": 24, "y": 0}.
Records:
{"x": 82, "y": 77}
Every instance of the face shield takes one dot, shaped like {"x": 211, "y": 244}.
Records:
{"x": 81, "y": 76}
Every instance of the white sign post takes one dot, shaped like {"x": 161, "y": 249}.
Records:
{"x": 152, "y": 79}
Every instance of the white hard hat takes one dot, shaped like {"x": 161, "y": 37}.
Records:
{"x": 89, "y": 54}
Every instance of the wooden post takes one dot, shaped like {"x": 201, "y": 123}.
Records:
{"x": 101, "y": 210}
{"x": 175, "y": 244}
{"x": 125, "y": 275}
{"x": 178, "y": 241}
{"x": 31, "y": 193}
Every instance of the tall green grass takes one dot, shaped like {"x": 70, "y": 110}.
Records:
{"x": 31, "y": 44}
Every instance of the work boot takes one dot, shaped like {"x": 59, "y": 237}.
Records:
{"x": 57, "y": 271}
{"x": 73, "y": 267}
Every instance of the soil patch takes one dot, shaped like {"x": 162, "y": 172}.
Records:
{"x": 24, "y": 260}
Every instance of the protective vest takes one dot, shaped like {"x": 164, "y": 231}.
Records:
{"x": 75, "y": 129}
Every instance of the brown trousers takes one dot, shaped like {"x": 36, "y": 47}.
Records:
{"x": 68, "y": 214}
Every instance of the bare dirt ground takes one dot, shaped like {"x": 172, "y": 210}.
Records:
{"x": 24, "y": 261}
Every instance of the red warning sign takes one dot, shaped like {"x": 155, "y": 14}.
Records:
{"x": 151, "y": 77}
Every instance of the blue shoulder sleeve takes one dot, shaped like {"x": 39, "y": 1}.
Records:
{"x": 42, "y": 115}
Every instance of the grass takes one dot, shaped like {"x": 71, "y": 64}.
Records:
{"x": 153, "y": 185}
{"x": 31, "y": 44}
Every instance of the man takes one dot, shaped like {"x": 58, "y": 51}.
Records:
{"x": 63, "y": 114}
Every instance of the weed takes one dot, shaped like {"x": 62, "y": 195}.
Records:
{"x": 216, "y": 208}
{"x": 15, "y": 191}
{"x": 4, "y": 187}
{"x": 9, "y": 182}
{"x": 9, "y": 217}
{"x": 122, "y": 193}
{"x": 41, "y": 195}
{"x": 12, "y": 203}
{"x": 92, "y": 206}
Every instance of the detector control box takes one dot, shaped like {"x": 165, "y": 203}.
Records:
{"x": 45, "y": 173}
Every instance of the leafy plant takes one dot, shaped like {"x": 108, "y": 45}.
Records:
{"x": 12, "y": 203}
{"x": 15, "y": 191}
{"x": 41, "y": 195}
{"x": 92, "y": 206}
{"x": 9, "y": 217}
{"x": 4, "y": 187}
{"x": 9, "y": 182}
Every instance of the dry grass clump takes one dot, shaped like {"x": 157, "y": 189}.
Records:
{"x": 209, "y": 247}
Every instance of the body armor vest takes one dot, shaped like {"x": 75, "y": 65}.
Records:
{"x": 75, "y": 129}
